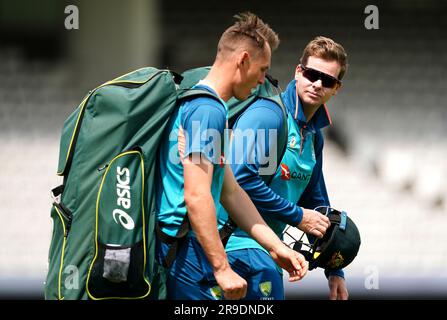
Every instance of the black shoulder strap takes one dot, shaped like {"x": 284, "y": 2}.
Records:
{"x": 226, "y": 231}
{"x": 173, "y": 241}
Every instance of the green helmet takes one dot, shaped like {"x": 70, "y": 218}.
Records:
{"x": 337, "y": 248}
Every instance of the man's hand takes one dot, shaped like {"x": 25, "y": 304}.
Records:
{"x": 233, "y": 286}
{"x": 291, "y": 261}
{"x": 337, "y": 288}
{"x": 314, "y": 222}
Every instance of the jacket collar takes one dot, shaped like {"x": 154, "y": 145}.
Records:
{"x": 321, "y": 117}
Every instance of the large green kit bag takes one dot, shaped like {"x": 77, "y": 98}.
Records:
{"x": 103, "y": 214}
{"x": 103, "y": 239}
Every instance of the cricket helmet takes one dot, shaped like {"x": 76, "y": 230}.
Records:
{"x": 337, "y": 248}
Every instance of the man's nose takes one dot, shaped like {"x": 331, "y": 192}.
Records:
{"x": 318, "y": 84}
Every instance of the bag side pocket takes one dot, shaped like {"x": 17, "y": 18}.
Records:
{"x": 61, "y": 227}
{"x": 118, "y": 267}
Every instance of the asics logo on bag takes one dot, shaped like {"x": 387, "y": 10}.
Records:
{"x": 123, "y": 200}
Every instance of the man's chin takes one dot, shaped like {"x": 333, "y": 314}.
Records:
{"x": 242, "y": 97}
{"x": 312, "y": 102}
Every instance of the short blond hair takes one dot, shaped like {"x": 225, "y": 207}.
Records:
{"x": 248, "y": 28}
{"x": 327, "y": 49}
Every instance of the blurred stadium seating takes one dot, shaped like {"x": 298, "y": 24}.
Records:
{"x": 384, "y": 158}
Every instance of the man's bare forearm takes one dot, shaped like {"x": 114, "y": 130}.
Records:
{"x": 242, "y": 210}
{"x": 202, "y": 216}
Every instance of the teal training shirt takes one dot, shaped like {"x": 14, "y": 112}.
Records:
{"x": 289, "y": 181}
{"x": 299, "y": 169}
{"x": 197, "y": 127}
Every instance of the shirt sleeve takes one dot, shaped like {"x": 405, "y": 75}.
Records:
{"x": 250, "y": 148}
{"x": 203, "y": 122}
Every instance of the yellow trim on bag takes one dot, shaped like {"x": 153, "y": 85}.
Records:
{"x": 143, "y": 229}
{"x": 124, "y": 75}
{"x": 74, "y": 131}
{"x": 62, "y": 256}
{"x": 82, "y": 105}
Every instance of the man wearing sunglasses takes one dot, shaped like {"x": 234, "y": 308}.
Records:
{"x": 298, "y": 184}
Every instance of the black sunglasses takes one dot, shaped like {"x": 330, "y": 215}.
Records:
{"x": 313, "y": 75}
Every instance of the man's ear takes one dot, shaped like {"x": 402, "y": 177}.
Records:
{"x": 337, "y": 88}
{"x": 298, "y": 70}
{"x": 243, "y": 59}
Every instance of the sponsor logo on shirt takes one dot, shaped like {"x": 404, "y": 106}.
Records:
{"x": 216, "y": 292}
{"x": 292, "y": 142}
{"x": 265, "y": 288}
{"x": 285, "y": 172}
{"x": 287, "y": 175}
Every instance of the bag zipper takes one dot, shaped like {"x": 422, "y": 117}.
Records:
{"x": 74, "y": 137}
